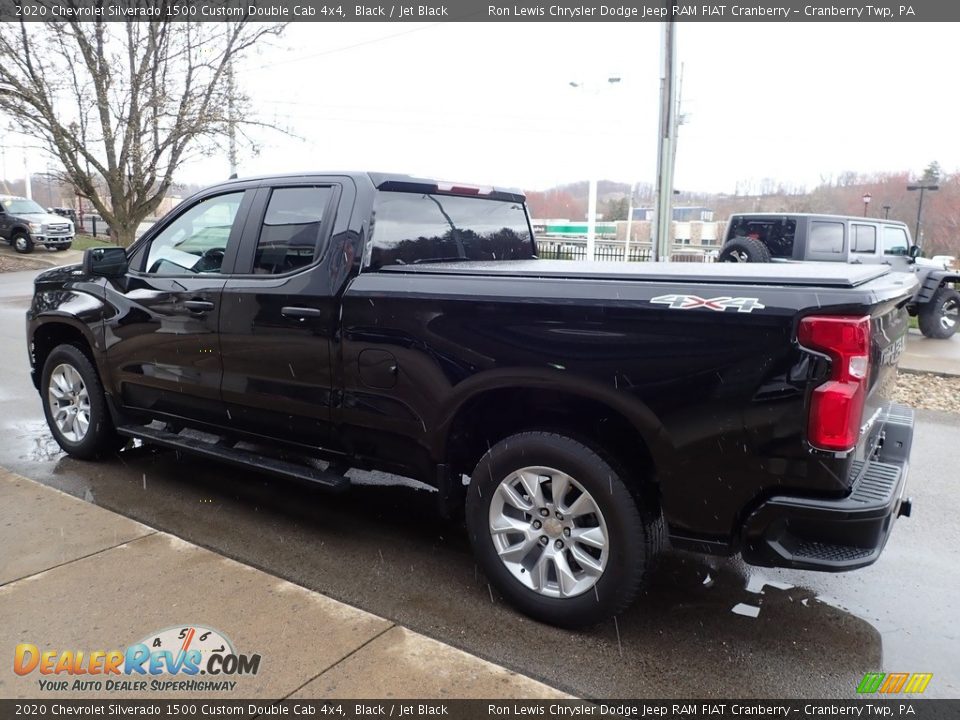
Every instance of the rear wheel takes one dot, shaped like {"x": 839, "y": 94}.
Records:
{"x": 557, "y": 531}
{"x": 22, "y": 243}
{"x": 940, "y": 318}
{"x": 744, "y": 249}
{"x": 75, "y": 405}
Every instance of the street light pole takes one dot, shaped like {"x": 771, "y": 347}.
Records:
{"x": 663, "y": 204}
{"x": 626, "y": 242}
{"x": 886, "y": 211}
{"x": 592, "y": 186}
{"x": 922, "y": 187}
{"x": 867, "y": 197}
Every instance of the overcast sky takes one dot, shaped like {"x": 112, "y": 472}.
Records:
{"x": 491, "y": 102}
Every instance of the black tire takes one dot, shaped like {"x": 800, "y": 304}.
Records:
{"x": 100, "y": 437}
{"x": 61, "y": 248}
{"x": 743, "y": 249}
{"x": 22, "y": 243}
{"x": 940, "y": 318}
{"x": 633, "y": 535}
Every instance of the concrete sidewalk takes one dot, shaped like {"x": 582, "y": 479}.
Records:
{"x": 74, "y": 576}
{"x": 922, "y": 354}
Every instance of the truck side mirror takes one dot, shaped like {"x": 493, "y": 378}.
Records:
{"x": 914, "y": 251}
{"x": 105, "y": 261}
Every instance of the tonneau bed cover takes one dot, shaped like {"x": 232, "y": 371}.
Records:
{"x": 826, "y": 275}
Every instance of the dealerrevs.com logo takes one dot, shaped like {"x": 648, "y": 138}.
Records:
{"x": 169, "y": 660}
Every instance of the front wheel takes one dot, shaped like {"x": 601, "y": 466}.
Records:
{"x": 557, "y": 531}
{"x": 22, "y": 243}
{"x": 940, "y": 318}
{"x": 75, "y": 405}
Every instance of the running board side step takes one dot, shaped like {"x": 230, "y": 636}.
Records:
{"x": 236, "y": 456}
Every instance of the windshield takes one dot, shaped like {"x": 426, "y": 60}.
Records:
{"x": 21, "y": 206}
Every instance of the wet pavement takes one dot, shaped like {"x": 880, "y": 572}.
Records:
{"x": 927, "y": 355}
{"x": 704, "y": 627}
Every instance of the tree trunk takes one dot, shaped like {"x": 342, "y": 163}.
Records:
{"x": 123, "y": 236}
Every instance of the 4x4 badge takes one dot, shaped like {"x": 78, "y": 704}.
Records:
{"x": 690, "y": 302}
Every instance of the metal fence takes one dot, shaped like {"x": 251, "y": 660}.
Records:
{"x": 566, "y": 250}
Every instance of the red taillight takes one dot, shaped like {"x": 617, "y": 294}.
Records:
{"x": 836, "y": 407}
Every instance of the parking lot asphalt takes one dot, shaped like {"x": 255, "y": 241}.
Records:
{"x": 383, "y": 549}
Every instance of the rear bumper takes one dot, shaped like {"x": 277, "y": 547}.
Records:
{"x": 838, "y": 534}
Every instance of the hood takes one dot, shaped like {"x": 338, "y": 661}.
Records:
{"x": 45, "y": 218}
{"x": 928, "y": 263}
{"x": 59, "y": 275}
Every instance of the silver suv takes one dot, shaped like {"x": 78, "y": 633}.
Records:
{"x": 771, "y": 237}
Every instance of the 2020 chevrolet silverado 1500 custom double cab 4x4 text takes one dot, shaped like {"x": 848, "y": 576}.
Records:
{"x": 579, "y": 414}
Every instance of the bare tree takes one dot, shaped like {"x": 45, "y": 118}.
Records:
{"x": 123, "y": 105}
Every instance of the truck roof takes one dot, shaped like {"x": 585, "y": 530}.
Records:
{"x": 813, "y": 274}
{"x": 398, "y": 181}
{"x": 773, "y": 215}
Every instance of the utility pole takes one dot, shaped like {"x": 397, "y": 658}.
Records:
{"x": 231, "y": 120}
{"x": 922, "y": 187}
{"x": 28, "y": 191}
{"x": 626, "y": 243}
{"x": 663, "y": 204}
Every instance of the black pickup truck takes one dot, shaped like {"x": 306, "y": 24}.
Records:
{"x": 579, "y": 414}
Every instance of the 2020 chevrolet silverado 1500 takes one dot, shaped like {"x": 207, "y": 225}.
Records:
{"x": 579, "y": 414}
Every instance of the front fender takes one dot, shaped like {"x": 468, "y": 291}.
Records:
{"x": 932, "y": 281}
{"x": 63, "y": 312}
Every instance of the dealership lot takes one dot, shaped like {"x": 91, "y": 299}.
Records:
{"x": 382, "y": 549}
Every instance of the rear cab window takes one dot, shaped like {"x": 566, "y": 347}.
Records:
{"x": 415, "y": 227}
{"x": 776, "y": 233}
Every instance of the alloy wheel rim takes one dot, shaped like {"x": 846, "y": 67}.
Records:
{"x": 549, "y": 532}
{"x": 69, "y": 402}
{"x": 950, "y": 315}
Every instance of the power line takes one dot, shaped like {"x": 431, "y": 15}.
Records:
{"x": 333, "y": 51}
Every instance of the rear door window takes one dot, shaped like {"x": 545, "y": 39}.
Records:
{"x": 410, "y": 228}
{"x": 290, "y": 236}
{"x": 864, "y": 239}
{"x": 826, "y": 238}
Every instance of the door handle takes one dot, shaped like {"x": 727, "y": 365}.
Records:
{"x": 300, "y": 313}
{"x": 198, "y": 306}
